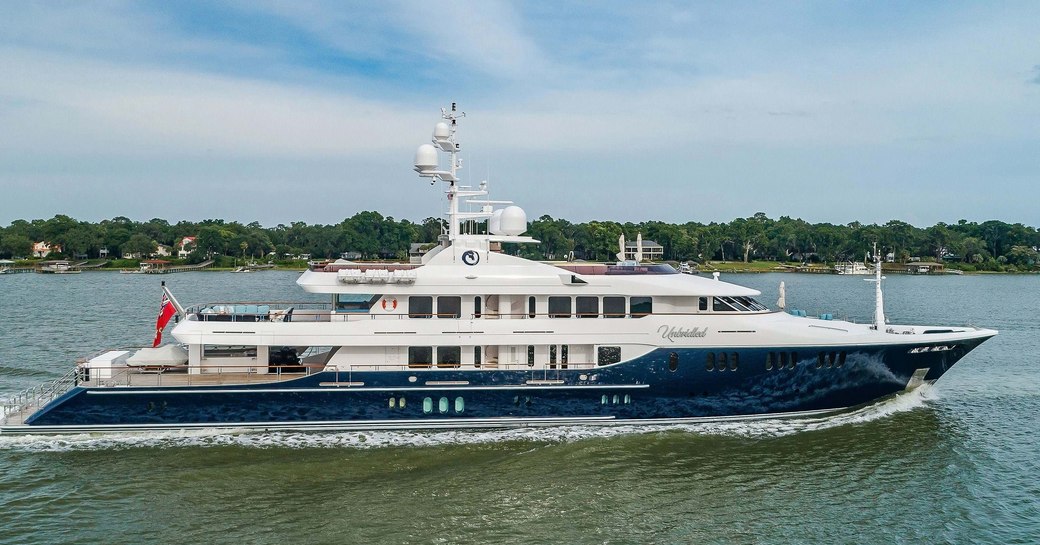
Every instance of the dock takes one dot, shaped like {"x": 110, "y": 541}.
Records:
{"x": 178, "y": 268}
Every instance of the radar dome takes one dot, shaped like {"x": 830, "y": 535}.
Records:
{"x": 426, "y": 158}
{"x": 441, "y": 131}
{"x": 495, "y": 223}
{"x": 513, "y": 221}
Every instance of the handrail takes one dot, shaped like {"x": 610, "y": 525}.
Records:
{"x": 39, "y": 395}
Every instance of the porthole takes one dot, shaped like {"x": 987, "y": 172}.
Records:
{"x": 723, "y": 360}
{"x": 783, "y": 360}
{"x": 516, "y": 401}
{"x": 427, "y": 405}
{"x": 527, "y": 401}
{"x": 400, "y": 402}
{"x": 628, "y": 399}
{"x": 603, "y": 400}
{"x": 442, "y": 406}
{"x": 819, "y": 360}
{"x": 673, "y": 361}
{"x": 830, "y": 359}
{"x": 769, "y": 361}
{"x": 711, "y": 362}
{"x": 615, "y": 400}
{"x": 460, "y": 405}
{"x": 393, "y": 403}
{"x": 734, "y": 361}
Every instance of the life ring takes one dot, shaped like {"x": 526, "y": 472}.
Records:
{"x": 392, "y": 304}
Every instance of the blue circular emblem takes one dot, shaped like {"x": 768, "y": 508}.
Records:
{"x": 470, "y": 257}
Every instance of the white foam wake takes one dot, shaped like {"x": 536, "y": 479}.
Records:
{"x": 379, "y": 439}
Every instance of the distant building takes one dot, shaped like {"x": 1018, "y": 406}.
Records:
{"x": 44, "y": 248}
{"x": 103, "y": 252}
{"x": 349, "y": 256}
{"x": 185, "y": 246}
{"x": 162, "y": 250}
{"x": 652, "y": 251}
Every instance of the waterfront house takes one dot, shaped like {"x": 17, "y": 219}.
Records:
{"x": 44, "y": 248}
{"x": 185, "y": 246}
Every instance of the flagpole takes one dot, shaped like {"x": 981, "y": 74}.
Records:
{"x": 176, "y": 304}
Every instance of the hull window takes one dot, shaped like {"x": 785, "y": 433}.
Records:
{"x": 769, "y": 361}
{"x": 442, "y": 405}
{"x": 734, "y": 361}
{"x": 841, "y": 359}
{"x": 608, "y": 355}
{"x": 673, "y": 361}
{"x": 710, "y": 363}
{"x": 427, "y": 405}
{"x": 460, "y": 405}
{"x": 783, "y": 359}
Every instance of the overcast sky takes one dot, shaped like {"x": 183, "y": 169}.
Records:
{"x": 627, "y": 111}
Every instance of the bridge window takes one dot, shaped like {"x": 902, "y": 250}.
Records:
{"x": 352, "y": 302}
{"x": 420, "y": 306}
{"x": 613, "y": 307}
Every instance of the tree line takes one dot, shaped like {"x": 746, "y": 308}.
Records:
{"x": 990, "y": 245}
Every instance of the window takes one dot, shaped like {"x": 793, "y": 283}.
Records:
{"x": 563, "y": 356}
{"x": 420, "y": 356}
{"x": 673, "y": 361}
{"x": 552, "y": 355}
{"x": 476, "y": 356}
{"x": 222, "y": 351}
{"x": 393, "y": 402}
{"x": 613, "y": 307}
{"x": 722, "y": 361}
{"x": 702, "y": 303}
{"x": 794, "y": 359}
{"x": 608, "y": 355}
{"x": 769, "y": 361}
{"x": 819, "y": 360}
{"x": 830, "y": 359}
{"x": 420, "y": 307}
{"x": 718, "y": 304}
{"x": 351, "y": 302}
{"x": 477, "y": 307}
{"x": 559, "y": 307}
{"x": 641, "y": 306}
{"x": 460, "y": 405}
{"x": 449, "y": 356}
{"x": 841, "y": 359}
{"x": 530, "y": 355}
{"x": 449, "y": 307}
{"x": 710, "y": 363}
{"x": 587, "y": 307}
{"x": 400, "y": 403}
{"x": 628, "y": 399}
{"x": 603, "y": 399}
{"x": 783, "y": 359}
{"x": 442, "y": 405}
{"x": 734, "y": 361}
{"x": 531, "y": 307}
{"x": 427, "y": 405}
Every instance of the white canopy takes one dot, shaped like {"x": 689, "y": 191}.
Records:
{"x": 167, "y": 354}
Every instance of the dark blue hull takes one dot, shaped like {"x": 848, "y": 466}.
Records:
{"x": 664, "y": 385}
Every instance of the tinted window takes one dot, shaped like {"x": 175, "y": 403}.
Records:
{"x": 559, "y": 307}
{"x": 587, "y": 307}
{"x": 420, "y": 356}
{"x": 609, "y": 355}
{"x": 449, "y": 356}
{"x": 719, "y": 305}
{"x": 530, "y": 356}
{"x": 449, "y": 307}
{"x": 476, "y": 356}
{"x": 702, "y": 303}
{"x": 420, "y": 307}
{"x": 613, "y": 307}
{"x": 531, "y": 306}
{"x": 673, "y": 361}
{"x": 477, "y": 307}
{"x": 641, "y": 306}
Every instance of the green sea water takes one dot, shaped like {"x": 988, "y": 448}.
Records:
{"x": 958, "y": 462}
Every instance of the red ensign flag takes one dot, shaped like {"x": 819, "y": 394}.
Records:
{"x": 166, "y": 311}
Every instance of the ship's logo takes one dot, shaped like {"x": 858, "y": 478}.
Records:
{"x": 389, "y": 305}
{"x": 671, "y": 332}
{"x": 470, "y": 257}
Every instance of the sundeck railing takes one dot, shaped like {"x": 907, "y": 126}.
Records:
{"x": 35, "y": 397}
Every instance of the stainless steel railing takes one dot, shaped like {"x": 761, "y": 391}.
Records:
{"x": 36, "y": 397}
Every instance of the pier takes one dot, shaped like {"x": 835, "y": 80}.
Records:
{"x": 178, "y": 268}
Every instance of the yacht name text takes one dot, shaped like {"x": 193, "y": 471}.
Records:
{"x": 671, "y": 332}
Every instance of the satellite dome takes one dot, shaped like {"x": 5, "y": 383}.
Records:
{"x": 495, "y": 223}
{"x": 513, "y": 221}
{"x": 426, "y": 158}
{"x": 441, "y": 131}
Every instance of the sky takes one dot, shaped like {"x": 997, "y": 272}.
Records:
{"x": 627, "y": 111}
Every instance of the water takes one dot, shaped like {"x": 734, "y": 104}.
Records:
{"x": 954, "y": 463}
